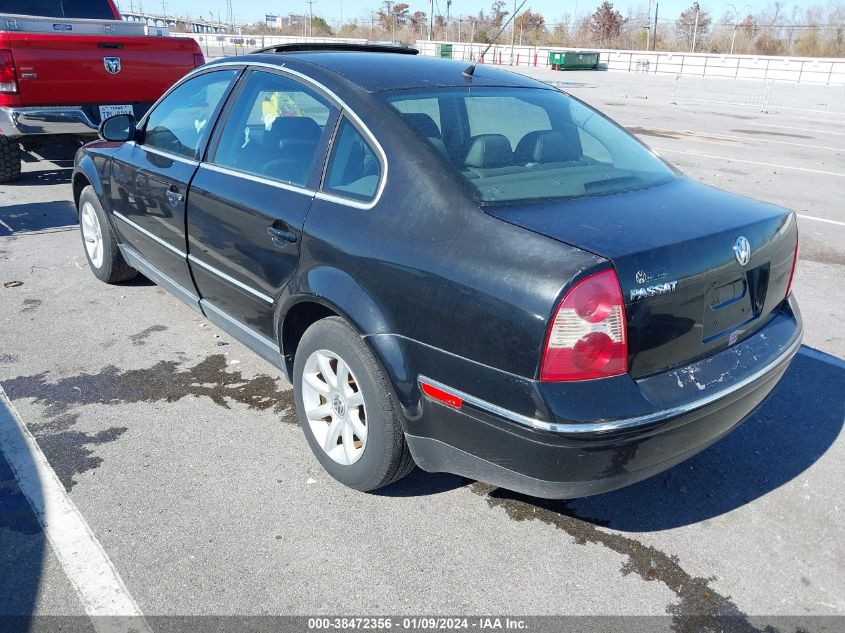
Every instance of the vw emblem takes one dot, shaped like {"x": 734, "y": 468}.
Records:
{"x": 742, "y": 250}
{"x": 338, "y": 405}
{"x": 640, "y": 277}
{"x": 112, "y": 65}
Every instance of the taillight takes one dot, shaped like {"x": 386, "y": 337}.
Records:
{"x": 587, "y": 338}
{"x": 794, "y": 263}
{"x": 199, "y": 60}
{"x": 8, "y": 80}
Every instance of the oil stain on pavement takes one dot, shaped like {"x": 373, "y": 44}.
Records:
{"x": 699, "y": 607}
{"x": 141, "y": 337}
{"x": 164, "y": 381}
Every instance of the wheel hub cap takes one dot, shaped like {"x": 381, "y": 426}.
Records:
{"x": 334, "y": 407}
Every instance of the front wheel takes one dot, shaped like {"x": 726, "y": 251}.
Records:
{"x": 100, "y": 242}
{"x": 347, "y": 409}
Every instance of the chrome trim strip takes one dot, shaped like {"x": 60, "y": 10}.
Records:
{"x": 615, "y": 425}
{"x": 161, "y": 152}
{"x": 345, "y": 110}
{"x": 260, "y": 179}
{"x": 219, "y": 273}
{"x": 150, "y": 235}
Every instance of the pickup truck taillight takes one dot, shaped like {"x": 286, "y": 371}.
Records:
{"x": 8, "y": 79}
{"x": 587, "y": 337}
{"x": 199, "y": 60}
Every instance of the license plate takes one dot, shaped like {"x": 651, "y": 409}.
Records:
{"x": 107, "y": 111}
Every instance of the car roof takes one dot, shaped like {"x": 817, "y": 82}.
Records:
{"x": 379, "y": 71}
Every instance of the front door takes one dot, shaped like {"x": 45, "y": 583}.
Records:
{"x": 248, "y": 201}
{"x": 151, "y": 175}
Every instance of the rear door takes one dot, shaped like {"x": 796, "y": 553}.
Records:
{"x": 150, "y": 176}
{"x": 248, "y": 201}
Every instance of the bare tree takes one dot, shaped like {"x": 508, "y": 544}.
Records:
{"x": 606, "y": 23}
{"x": 692, "y": 23}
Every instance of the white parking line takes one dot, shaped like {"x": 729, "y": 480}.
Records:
{"x": 86, "y": 564}
{"x": 812, "y": 217}
{"x": 751, "y": 162}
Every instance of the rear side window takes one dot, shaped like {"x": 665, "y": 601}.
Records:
{"x": 354, "y": 169}
{"x": 177, "y": 123}
{"x": 274, "y": 129}
{"x": 93, "y": 9}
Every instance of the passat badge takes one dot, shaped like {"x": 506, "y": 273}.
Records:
{"x": 653, "y": 291}
{"x": 742, "y": 250}
{"x": 112, "y": 65}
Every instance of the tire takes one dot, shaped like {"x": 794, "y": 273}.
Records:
{"x": 10, "y": 159}
{"x": 106, "y": 263}
{"x": 383, "y": 456}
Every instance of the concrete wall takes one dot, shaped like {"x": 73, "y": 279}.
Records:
{"x": 792, "y": 69}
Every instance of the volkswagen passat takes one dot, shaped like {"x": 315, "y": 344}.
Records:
{"x": 460, "y": 268}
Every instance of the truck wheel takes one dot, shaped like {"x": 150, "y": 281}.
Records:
{"x": 10, "y": 159}
{"x": 347, "y": 409}
{"x": 100, "y": 242}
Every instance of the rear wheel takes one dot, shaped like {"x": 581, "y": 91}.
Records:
{"x": 347, "y": 409}
{"x": 100, "y": 242}
{"x": 10, "y": 159}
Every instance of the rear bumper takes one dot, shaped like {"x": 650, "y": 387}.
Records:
{"x": 690, "y": 409}
{"x": 19, "y": 122}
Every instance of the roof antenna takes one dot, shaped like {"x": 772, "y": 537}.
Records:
{"x": 468, "y": 72}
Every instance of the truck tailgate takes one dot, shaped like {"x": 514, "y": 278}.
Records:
{"x": 62, "y": 69}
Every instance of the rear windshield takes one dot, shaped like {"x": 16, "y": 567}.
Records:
{"x": 525, "y": 143}
{"x": 93, "y": 9}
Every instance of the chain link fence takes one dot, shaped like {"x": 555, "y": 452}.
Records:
{"x": 766, "y": 95}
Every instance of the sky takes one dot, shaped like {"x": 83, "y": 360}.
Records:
{"x": 333, "y": 10}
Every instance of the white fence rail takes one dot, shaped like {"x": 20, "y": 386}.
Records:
{"x": 804, "y": 70}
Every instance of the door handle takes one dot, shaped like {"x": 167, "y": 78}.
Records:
{"x": 281, "y": 234}
{"x": 174, "y": 198}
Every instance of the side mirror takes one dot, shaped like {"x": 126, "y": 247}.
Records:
{"x": 118, "y": 128}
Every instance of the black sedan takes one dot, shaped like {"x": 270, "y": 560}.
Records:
{"x": 459, "y": 268}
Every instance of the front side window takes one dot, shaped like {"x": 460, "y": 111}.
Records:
{"x": 177, "y": 123}
{"x": 354, "y": 169}
{"x": 274, "y": 129}
{"x": 513, "y": 144}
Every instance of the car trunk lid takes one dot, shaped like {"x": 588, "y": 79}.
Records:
{"x": 673, "y": 247}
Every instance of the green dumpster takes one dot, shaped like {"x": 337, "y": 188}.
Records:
{"x": 573, "y": 60}
{"x": 444, "y": 51}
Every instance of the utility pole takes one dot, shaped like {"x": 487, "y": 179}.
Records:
{"x": 654, "y": 39}
{"x": 513, "y": 31}
{"x": 448, "y": 6}
{"x": 736, "y": 25}
{"x": 310, "y": 16}
{"x": 697, "y": 8}
{"x": 648, "y": 28}
{"x": 430, "y": 18}
{"x": 460, "y": 26}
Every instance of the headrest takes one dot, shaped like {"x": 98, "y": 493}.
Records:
{"x": 421, "y": 122}
{"x": 489, "y": 150}
{"x": 542, "y": 146}
{"x": 295, "y": 128}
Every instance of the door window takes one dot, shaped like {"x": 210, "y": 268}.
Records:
{"x": 177, "y": 123}
{"x": 274, "y": 130}
{"x": 354, "y": 170}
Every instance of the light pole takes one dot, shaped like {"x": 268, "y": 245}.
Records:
{"x": 736, "y": 24}
{"x": 695, "y": 28}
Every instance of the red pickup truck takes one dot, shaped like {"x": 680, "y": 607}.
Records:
{"x": 69, "y": 64}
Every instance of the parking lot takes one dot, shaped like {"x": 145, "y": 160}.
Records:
{"x": 181, "y": 450}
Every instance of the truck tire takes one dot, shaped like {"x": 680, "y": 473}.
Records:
{"x": 100, "y": 242}
{"x": 10, "y": 159}
{"x": 346, "y": 406}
